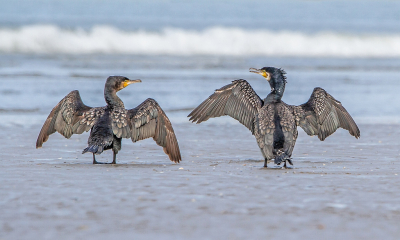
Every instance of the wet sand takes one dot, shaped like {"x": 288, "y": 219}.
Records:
{"x": 341, "y": 188}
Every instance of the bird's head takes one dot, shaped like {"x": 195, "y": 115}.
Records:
{"x": 117, "y": 83}
{"x": 270, "y": 73}
{"x": 275, "y": 76}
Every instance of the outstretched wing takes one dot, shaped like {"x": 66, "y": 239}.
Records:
{"x": 237, "y": 100}
{"x": 69, "y": 116}
{"x": 149, "y": 120}
{"x": 322, "y": 114}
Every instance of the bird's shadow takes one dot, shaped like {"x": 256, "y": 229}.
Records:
{"x": 276, "y": 167}
{"x": 273, "y": 167}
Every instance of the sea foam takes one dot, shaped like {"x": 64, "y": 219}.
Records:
{"x": 51, "y": 39}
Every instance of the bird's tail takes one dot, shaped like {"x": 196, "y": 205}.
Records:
{"x": 96, "y": 149}
{"x": 281, "y": 156}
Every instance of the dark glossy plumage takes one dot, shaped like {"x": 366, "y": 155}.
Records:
{"x": 111, "y": 123}
{"x": 273, "y": 122}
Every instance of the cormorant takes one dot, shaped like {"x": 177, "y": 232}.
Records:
{"x": 111, "y": 123}
{"x": 273, "y": 122}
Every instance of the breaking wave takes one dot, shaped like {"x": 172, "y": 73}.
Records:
{"x": 51, "y": 39}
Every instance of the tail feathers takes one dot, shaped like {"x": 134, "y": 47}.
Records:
{"x": 282, "y": 157}
{"x": 96, "y": 149}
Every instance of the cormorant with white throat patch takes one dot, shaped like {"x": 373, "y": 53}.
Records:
{"x": 273, "y": 122}
{"x": 111, "y": 123}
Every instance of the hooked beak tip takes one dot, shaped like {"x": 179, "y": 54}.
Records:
{"x": 135, "y": 81}
{"x": 254, "y": 70}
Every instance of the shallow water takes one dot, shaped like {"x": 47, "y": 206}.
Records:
{"x": 34, "y": 84}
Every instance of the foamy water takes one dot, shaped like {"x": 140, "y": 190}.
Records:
{"x": 51, "y": 39}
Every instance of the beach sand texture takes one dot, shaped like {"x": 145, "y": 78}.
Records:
{"x": 218, "y": 191}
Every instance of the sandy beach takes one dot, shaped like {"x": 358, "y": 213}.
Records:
{"x": 342, "y": 188}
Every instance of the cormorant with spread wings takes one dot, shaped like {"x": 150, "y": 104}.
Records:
{"x": 111, "y": 123}
{"x": 273, "y": 122}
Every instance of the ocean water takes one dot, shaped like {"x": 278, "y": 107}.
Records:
{"x": 183, "y": 50}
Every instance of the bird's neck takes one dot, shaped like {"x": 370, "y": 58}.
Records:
{"x": 277, "y": 89}
{"x": 112, "y": 99}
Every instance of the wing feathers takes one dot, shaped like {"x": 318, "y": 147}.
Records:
{"x": 237, "y": 100}
{"x": 119, "y": 123}
{"x": 322, "y": 115}
{"x": 68, "y": 112}
{"x": 149, "y": 120}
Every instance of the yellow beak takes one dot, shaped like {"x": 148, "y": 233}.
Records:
{"x": 128, "y": 82}
{"x": 265, "y": 74}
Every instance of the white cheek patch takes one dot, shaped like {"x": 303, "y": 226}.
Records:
{"x": 268, "y": 76}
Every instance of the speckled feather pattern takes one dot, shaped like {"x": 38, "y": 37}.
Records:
{"x": 63, "y": 117}
{"x": 265, "y": 127}
{"x": 109, "y": 124}
{"x": 120, "y": 123}
{"x": 322, "y": 115}
{"x": 237, "y": 100}
{"x": 273, "y": 122}
{"x": 88, "y": 119}
{"x": 149, "y": 120}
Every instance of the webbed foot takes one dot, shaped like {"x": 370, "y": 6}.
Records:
{"x": 96, "y": 162}
{"x": 289, "y": 161}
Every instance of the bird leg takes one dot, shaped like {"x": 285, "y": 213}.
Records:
{"x": 265, "y": 163}
{"x": 114, "y": 158}
{"x": 289, "y": 161}
{"x": 94, "y": 160}
{"x": 113, "y": 162}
